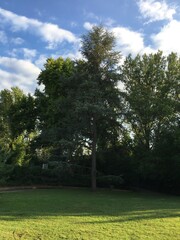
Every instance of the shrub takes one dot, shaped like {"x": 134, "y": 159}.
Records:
{"x": 110, "y": 181}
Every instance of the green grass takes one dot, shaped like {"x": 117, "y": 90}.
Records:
{"x": 82, "y": 214}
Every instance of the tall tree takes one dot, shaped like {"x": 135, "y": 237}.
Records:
{"x": 81, "y": 98}
{"x": 17, "y": 122}
{"x": 55, "y": 105}
{"x": 150, "y": 95}
{"x": 98, "y": 96}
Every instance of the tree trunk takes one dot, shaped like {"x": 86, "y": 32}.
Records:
{"x": 94, "y": 143}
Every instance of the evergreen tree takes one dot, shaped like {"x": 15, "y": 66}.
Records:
{"x": 98, "y": 95}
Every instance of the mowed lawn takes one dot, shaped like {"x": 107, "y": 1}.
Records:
{"x": 82, "y": 214}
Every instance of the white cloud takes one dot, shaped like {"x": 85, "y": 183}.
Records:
{"x": 50, "y": 33}
{"x": 27, "y": 53}
{"x": 153, "y": 10}
{"x": 41, "y": 60}
{"x": 168, "y": 39}
{"x": 13, "y": 52}
{"x": 73, "y": 55}
{"x": 16, "y": 72}
{"x": 3, "y": 37}
{"x": 17, "y": 41}
{"x": 109, "y": 22}
{"x": 88, "y": 26}
{"x": 54, "y": 35}
{"x": 129, "y": 41}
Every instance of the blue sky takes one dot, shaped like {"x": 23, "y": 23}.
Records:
{"x": 32, "y": 31}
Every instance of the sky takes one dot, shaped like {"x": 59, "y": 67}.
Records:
{"x": 32, "y": 31}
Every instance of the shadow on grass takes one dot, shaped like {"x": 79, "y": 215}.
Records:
{"x": 138, "y": 216}
{"x": 121, "y": 206}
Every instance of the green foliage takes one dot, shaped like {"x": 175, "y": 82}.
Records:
{"x": 18, "y": 151}
{"x": 167, "y": 167}
{"x": 110, "y": 181}
{"x": 18, "y": 121}
{"x": 23, "y": 116}
{"x": 150, "y": 95}
{"x": 56, "y": 107}
{"x": 5, "y": 173}
{"x": 117, "y": 160}
{"x": 52, "y": 77}
{"x": 151, "y": 108}
{"x": 98, "y": 96}
{"x": 80, "y": 99}
{"x": 81, "y": 119}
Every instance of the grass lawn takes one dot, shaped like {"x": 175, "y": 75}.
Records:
{"x": 80, "y": 214}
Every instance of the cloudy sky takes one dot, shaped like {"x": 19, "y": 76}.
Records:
{"x": 32, "y": 31}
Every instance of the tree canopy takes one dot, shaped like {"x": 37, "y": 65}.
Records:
{"x": 96, "y": 121}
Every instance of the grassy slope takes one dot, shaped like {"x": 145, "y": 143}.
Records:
{"x": 81, "y": 214}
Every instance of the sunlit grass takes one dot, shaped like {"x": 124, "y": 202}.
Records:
{"x": 81, "y": 214}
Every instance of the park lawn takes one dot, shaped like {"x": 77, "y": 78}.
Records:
{"x": 81, "y": 214}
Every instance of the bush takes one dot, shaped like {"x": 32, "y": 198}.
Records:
{"x": 5, "y": 173}
{"x": 110, "y": 181}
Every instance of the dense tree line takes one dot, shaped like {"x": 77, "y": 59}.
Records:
{"x": 116, "y": 124}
